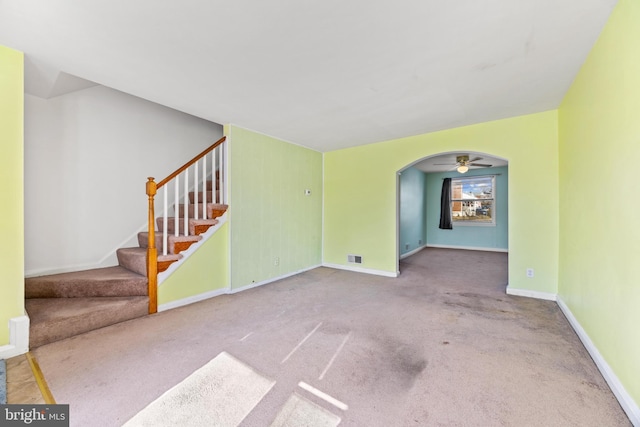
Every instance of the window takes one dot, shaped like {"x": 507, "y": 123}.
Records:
{"x": 472, "y": 200}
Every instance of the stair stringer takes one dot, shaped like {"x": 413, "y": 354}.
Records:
{"x": 193, "y": 248}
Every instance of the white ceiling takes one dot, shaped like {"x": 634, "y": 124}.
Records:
{"x": 324, "y": 74}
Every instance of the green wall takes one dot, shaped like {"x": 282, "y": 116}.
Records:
{"x": 360, "y": 214}
{"x": 11, "y": 188}
{"x": 600, "y": 236}
{"x": 276, "y": 229}
{"x": 206, "y": 270}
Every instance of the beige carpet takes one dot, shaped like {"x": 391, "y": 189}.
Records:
{"x": 442, "y": 345}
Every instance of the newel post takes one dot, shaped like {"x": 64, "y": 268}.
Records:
{"x": 152, "y": 252}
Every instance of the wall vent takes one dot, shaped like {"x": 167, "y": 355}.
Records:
{"x": 356, "y": 259}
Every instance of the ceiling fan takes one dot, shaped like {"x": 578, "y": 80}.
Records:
{"x": 463, "y": 163}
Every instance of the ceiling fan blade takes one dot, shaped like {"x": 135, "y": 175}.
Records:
{"x": 475, "y": 160}
{"x": 445, "y": 164}
{"x": 480, "y": 164}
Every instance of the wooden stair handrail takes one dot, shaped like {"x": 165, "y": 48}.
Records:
{"x": 152, "y": 251}
{"x": 190, "y": 162}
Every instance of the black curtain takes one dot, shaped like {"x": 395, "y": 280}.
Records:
{"x": 445, "y": 205}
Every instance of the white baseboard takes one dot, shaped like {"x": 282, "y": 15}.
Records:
{"x": 18, "y": 338}
{"x": 225, "y": 291}
{"x": 361, "y": 270}
{"x": 468, "y": 248}
{"x": 413, "y": 252}
{"x": 624, "y": 398}
{"x": 531, "y": 294}
{"x": 192, "y": 299}
{"x": 273, "y": 279}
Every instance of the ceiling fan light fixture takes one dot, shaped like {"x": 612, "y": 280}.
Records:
{"x": 463, "y": 168}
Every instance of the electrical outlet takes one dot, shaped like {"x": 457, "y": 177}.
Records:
{"x": 276, "y": 261}
{"x": 307, "y": 192}
{"x": 406, "y": 246}
{"x": 530, "y": 272}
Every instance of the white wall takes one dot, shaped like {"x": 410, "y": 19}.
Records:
{"x": 87, "y": 157}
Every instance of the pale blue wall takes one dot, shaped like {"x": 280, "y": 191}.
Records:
{"x": 412, "y": 210}
{"x": 482, "y": 236}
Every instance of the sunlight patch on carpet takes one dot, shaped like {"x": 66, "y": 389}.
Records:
{"x": 299, "y": 411}
{"x": 221, "y": 393}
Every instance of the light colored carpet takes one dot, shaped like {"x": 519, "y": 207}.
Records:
{"x": 440, "y": 345}
{"x": 221, "y": 393}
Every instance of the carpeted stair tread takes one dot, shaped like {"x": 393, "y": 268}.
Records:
{"x": 134, "y": 259}
{"x": 54, "y": 319}
{"x": 107, "y": 282}
{"x": 181, "y": 238}
{"x": 165, "y": 261}
{"x": 143, "y": 240}
{"x": 214, "y": 210}
{"x": 193, "y": 225}
{"x": 199, "y": 226}
{"x": 169, "y": 257}
{"x": 175, "y": 244}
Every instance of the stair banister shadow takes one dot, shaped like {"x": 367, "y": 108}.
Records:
{"x": 192, "y": 225}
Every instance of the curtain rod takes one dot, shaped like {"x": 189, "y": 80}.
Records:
{"x": 473, "y": 176}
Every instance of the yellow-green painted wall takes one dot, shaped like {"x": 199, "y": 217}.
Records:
{"x": 206, "y": 270}
{"x": 11, "y": 188}
{"x": 599, "y": 123}
{"x": 276, "y": 229}
{"x": 360, "y": 194}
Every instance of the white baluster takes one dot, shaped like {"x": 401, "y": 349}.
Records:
{"x": 223, "y": 167}
{"x": 165, "y": 222}
{"x": 213, "y": 175}
{"x": 204, "y": 187}
{"x": 195, "y": 190}
{"x": 176, "y": 206}
{"x": 186, "y": 199}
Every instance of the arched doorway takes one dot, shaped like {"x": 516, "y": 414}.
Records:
{"x": 479, "y": 206}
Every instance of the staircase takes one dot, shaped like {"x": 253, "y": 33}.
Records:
{"x": 68, "y": 304}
